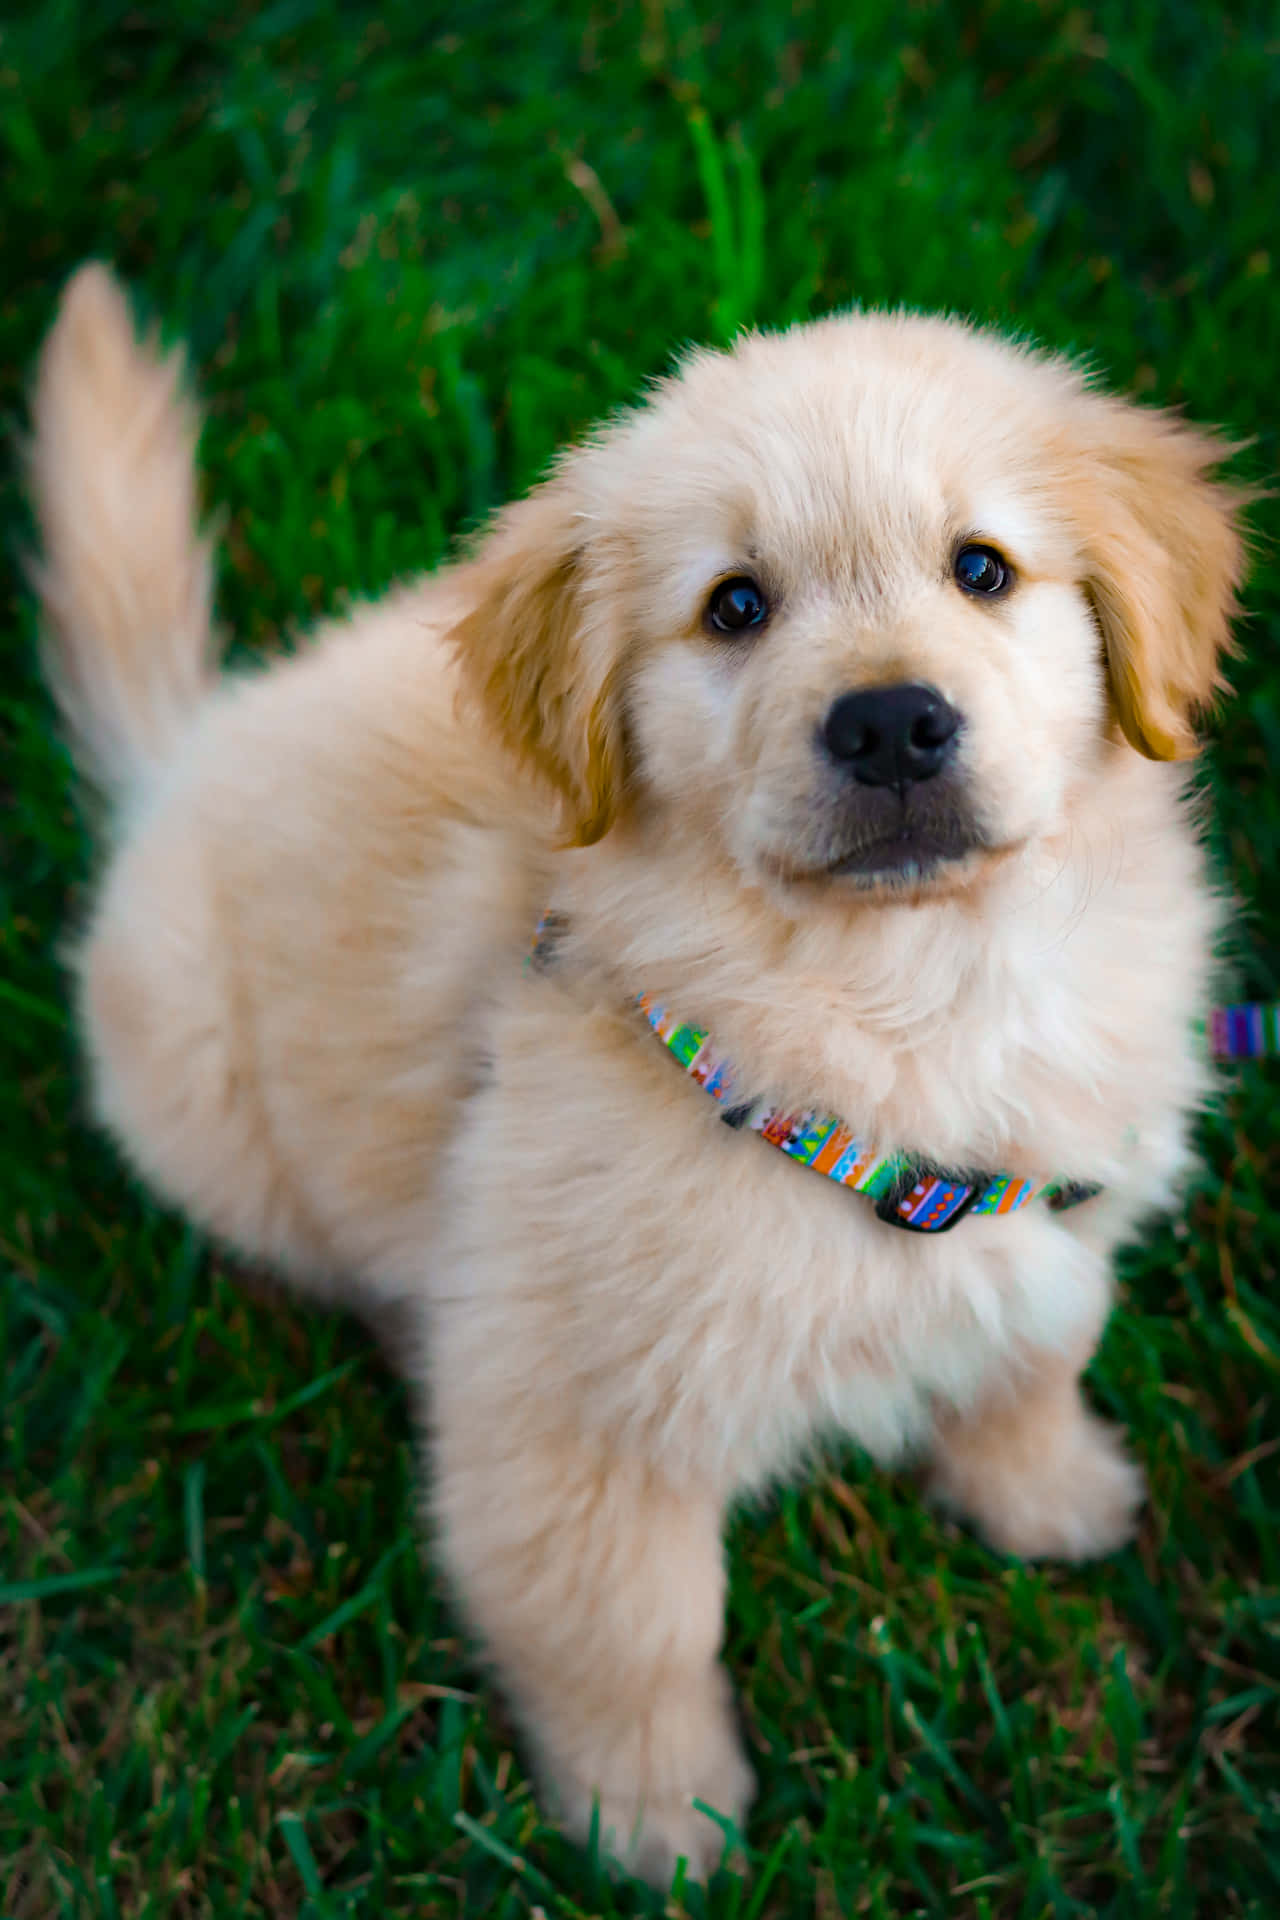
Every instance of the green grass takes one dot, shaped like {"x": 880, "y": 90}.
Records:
{"x": 414, "y": 248}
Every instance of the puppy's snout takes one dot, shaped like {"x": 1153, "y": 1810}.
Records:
{"x": 890, "y": 736}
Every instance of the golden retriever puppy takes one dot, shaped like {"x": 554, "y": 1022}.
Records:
{"x": 827, "y": 701}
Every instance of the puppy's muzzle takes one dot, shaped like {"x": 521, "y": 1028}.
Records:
{"x": 896, "y": 801}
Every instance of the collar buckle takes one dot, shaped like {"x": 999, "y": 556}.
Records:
{"x": 928, "y": 1199}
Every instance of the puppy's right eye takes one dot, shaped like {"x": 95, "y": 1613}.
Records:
{"x": 736, "y": 605}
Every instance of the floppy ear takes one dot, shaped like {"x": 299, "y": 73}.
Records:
{"x": 1166, "y": 558}
{"x": 539, "y": 652}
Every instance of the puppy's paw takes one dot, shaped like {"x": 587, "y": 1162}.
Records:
{"x": 1077, "y": 1499}
{"x": 647, "y": 1825}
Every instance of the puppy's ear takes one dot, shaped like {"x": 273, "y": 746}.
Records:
{"x": 1166, "y": 555}
{"x": 538, "y": 651}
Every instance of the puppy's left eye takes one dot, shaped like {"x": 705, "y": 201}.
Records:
{"x": 981, "y": 570}
{"x": 736, "y": 605}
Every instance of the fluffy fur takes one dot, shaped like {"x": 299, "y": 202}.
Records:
{"x": 302, "y": 995}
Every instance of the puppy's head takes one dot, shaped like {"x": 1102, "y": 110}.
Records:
{"x": 864, "y": 602}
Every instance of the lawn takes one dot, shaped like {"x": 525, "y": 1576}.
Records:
{"x": 414, "y": 248}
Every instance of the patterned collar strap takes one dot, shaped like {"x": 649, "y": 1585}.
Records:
{"x": 908, "y": 1191}
{"x": 1249, "y": 1032}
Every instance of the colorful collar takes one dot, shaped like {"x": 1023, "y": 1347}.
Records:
{"x": 1249, "y": 1032}
{"x": 909, "y": 1191}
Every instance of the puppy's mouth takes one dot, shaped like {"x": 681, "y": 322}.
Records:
{"x": 907, "y": 857}
{"x": 895, "y": 846}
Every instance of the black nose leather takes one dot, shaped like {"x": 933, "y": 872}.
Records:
{"x": 889, "y": 736}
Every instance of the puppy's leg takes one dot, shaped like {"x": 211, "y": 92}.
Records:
{"x": 1039, "y": 1474}
{"x": 168, "y": 1027}
{"x": 598, "y": 1591}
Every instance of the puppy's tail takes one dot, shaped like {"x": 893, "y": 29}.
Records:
{"x": 125, "y": 578}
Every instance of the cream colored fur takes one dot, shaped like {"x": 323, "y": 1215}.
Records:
{"x": 303, "y": 999}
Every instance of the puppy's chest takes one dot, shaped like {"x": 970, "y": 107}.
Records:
{"x": 998, "y": 1082}
{"x": 1057, "y": 1062}
{"x": 1012, "y": 1089}
{"x": 769, "y": 1302}
{"x": 693, "y": 1277}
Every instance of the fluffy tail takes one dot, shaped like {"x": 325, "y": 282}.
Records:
{"x": 125, "y": 578}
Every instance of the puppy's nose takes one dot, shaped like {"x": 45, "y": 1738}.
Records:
{"x": 889, "y": 736}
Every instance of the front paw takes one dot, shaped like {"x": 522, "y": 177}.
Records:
{"x": 643, "y": 1810}
{"x": 1071, "y": 1493}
